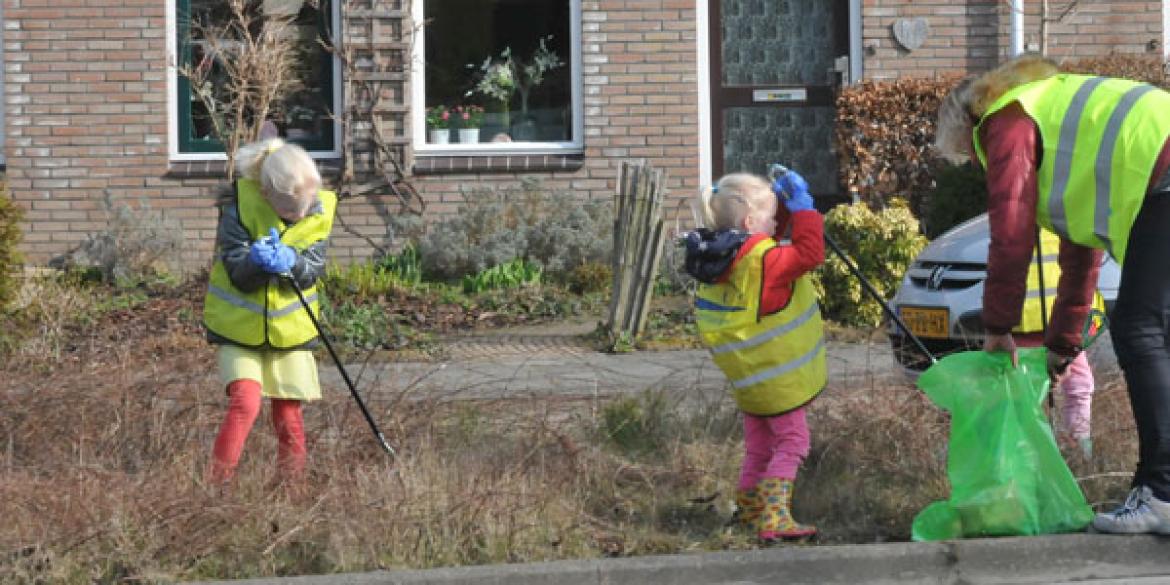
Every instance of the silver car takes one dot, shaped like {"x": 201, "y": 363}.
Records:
{"x": 941, "y": 296}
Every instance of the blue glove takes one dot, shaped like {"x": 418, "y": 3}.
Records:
{"x": 271, "y": 255}
{"x": 792, "y": 189}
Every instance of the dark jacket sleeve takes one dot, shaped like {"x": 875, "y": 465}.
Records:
{"x": 310, "y": 264}
{"x": 232, "y": 244}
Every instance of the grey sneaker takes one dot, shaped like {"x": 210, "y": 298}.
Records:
{"x": 1141, "y": 513}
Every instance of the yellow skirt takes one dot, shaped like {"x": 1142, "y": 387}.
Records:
{"x": 289, "y": 375}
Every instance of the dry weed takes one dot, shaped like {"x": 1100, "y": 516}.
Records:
{"x": 102, "y": 460}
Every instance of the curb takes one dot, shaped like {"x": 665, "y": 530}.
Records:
{"x": 1018, "y": 560}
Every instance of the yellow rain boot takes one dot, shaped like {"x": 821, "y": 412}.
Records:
{"x": 747, "y": 509}
{"x": 776, "y": 522}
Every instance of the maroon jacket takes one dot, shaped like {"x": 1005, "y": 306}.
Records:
{"x": 1011, "y": 141}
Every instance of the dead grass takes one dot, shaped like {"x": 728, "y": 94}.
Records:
{"x": 102, "y": 454}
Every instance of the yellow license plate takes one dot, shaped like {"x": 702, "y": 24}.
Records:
{"x": 926, "y": 322}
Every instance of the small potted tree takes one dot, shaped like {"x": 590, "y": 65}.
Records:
{"x": 470, "y": 118}
{"x": 439, "y": 123}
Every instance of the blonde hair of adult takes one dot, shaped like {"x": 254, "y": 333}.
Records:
{"x": 735, "y": 197}
{"x": 288, "y": 177}
{"x": 966, "y": 104}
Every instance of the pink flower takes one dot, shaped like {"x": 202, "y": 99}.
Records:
{"x": 466, "y": 116}
{"x": 446, "y": 115}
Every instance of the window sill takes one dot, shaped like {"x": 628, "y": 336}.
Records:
{"x": 497, "y": 163}
{"x": 183, "y": 169}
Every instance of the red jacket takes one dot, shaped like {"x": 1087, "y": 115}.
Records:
{"x": 1012, "y": 143}
{"x": 784, "y": 264}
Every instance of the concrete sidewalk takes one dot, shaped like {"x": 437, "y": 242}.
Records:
{"x": 1074, "y": 558}
{"x": 520, "y": 368}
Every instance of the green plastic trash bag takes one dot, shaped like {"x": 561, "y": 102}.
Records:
{"x": 1007, "y": 474}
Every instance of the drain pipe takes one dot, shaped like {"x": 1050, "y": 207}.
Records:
{"x": 1016, "y": 7}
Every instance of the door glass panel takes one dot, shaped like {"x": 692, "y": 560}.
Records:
{"x": 778, "y": 41}
{"x": 799, "y": 138}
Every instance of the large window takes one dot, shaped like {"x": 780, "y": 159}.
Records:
{"x": 304, "y": 113}
{"x": 506, "y": 69}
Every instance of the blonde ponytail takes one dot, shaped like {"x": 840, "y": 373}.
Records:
{"x": 288, "y": 177}
{"x": 250, "y": 157}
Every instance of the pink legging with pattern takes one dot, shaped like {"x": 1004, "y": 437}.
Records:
{"x": 775, "y": 446}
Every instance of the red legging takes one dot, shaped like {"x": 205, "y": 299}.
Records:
{"x": 243, "y": 408}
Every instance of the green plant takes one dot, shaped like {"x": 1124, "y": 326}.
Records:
{"x": 512, "y": 274}
{"x": 960, "y": 193}
{"x": 881, "y": 244}
{"x": 590, "y": 277}
{"x": 362, "y": 326}
{"x": 438, "y": 117}
{"x": 637, "y": 425}
{"x": 10, "y": 258}
{"x": 405, "y": 266}
{"x": 360, "y": 282}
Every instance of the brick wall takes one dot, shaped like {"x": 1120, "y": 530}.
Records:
{"x": 86, "y": 99}
{"x": 975, "y": 35}
{"x": 87, "y": 104}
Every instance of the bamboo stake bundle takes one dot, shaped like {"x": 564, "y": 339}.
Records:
{"x": 638, "y": 236}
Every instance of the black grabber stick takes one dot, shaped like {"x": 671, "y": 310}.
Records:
{"x": 776, "y": 171}
{"x": 348, "y": 382}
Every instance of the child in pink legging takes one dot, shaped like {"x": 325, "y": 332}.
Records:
{"x": 758, "y": 314}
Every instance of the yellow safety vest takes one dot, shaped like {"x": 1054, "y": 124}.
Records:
{"x": 775, "y": 362}
{"x": 1031, "y": 320}
{"x": 272, "y": 314}
{"x": 1101, "y": 139}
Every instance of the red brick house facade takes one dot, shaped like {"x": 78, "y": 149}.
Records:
{"x": 91, "y": 100}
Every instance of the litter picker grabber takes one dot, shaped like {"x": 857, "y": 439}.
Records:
{"x": 345, "y": 375}
{"x": 776, "y": 171}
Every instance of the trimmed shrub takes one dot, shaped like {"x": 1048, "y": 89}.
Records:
{"x": 555, "y": 230}
{"x": 960, "y": 194}
{"x": 884, "y": 136}
{"x": 881, "y": 244}
{"x": 10, "y": 258}
{"x": 1147, "y": 68}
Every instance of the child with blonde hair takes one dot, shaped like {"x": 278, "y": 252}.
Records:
{"x": 758, "y": 314}
{"x": 274, "y": 225}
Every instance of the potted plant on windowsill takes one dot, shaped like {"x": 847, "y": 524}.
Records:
{"x": 470, "y": 118}
{"x": 500, "y": 78}
{"x": 439, "y": 123}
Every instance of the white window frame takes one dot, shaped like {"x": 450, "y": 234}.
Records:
{"x": 173, "y": 90}
{"x": 419, "y": 92}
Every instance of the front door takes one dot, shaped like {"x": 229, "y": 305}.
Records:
{"x": 775, "y": 69}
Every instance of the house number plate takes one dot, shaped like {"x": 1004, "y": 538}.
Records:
{"x": 780, "y": 95}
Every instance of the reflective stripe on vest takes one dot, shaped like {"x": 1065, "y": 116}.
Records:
{"x": 775, "y": 362}
{"x": 273, "y": 314}
{"x": 1031, "y": 319}
{"x": 1101, "y": 138}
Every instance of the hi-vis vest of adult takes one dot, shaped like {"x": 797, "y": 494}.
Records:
{"x": 775, "y": 362}
{"x": 1101, "y": 138}
{"x": 1031, "y": 320}
{"x": 271, "y": 314}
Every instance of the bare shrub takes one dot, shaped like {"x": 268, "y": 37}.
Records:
{"x": 138, "y": 243}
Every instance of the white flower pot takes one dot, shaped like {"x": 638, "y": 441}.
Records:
{"x": 440, "y": 136}
{"x": 469, "y": 135}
